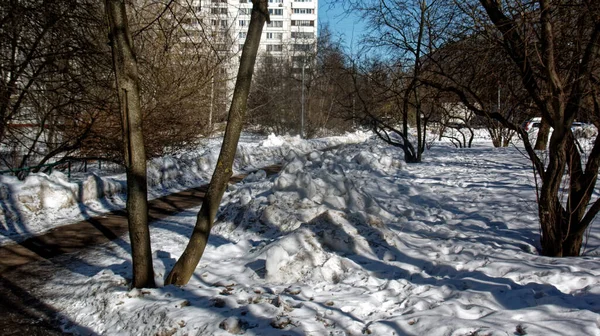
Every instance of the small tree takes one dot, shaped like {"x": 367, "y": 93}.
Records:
{"x": 127, "y": 77}
{"x": 559, "y": 84}
{"x": 184, "y": 267}
{"x": 409, "y": 29}
{"x": 554, "y": 48}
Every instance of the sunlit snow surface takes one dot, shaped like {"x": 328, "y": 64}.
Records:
{"x": 43, "y": 201}
{"x": 350, "y": 242}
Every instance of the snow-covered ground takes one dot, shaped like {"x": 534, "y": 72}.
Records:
{"x": 43, "y": 201}
{"x": 351, "y": 242}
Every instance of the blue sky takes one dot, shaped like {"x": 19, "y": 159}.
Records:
{"x": 349, "y": 27}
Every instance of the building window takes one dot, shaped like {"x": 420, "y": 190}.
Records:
{"x": 243, "y": 1}
{"x": 301, "y": 47}
{"x": 218, "y": 1}
{"x": 243, "y": 23}
{"x": 275, "y": 24}
{"x": 302, "y": 0}
{"x": 303, "y": 23}
{"x": 303, "y": 35}
{"x": 276, "y": 11}
{"x": 242, "y": 35}
{"x": 274, "y": 47}
{"x": 214, "y": 22}
{"x": 218, "y": 10}
{"x": 224, "y": 24}
{"x": 275, "y": 1}
{"x": 274, "y": 36}
{"x": 245, "y": 11}
{"x": 304, "y": 11}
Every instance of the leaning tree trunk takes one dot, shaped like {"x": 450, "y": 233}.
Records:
{"x": 185, "y": 266}
{"x": 125, "y": 65}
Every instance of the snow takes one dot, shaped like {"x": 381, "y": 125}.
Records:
{"x": 348, "y": 241}
{"x": 43, "y": 201}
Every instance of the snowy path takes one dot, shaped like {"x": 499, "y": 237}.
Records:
{"x": 101, "y": 228}
{"x": 351, "y": 243}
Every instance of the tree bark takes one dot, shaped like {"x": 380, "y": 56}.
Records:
{"x": 541, "y": 143}
{"x": 572, "y": 245}
{"x": 185, "y": 266}
{"x": 127, "y": 80}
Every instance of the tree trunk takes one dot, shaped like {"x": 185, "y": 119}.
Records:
{"x": 125, "y": 65}
{"x": 471, "y": 136}
{"x": 424, "y": 139}
{"x": 185, "y": 266}
{"x": 419, "y": 131}
{"x": 549, "y": 208}
{"x": 553, "y": 240}
{"x": 496, "y": 141}
{"x": 572, "y": 245}
{"x": 541, "y": 143}
{"x": 506, "y": 140}
{"x": 408, "y": 155}
{"x": 550, "y": 222}
{"x": 423, "y": 7}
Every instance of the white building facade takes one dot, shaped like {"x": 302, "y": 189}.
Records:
{"x": 222, "y": 25}
{"x": 293, "y": 27}
{"x": 292, "y": 31}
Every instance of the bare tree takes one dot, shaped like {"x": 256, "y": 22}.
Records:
{"x": 53, "y": 78}
{"x": 274, "y": 101}
{"x": 127, "y": 80}
{"x": 561, "y": 85}
{"x": 184, "y": 268}
{"x": 278, "y": 83}
{"x": 559, "y": 82}
{"x": 409, "y": 29}
{"x": 333, "y": 103}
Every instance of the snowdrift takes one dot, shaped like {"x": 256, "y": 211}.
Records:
{"x": 44, "y": 201}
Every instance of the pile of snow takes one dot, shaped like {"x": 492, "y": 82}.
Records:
{"x": 43, "y": 201}
{"x": 351, "y": 242}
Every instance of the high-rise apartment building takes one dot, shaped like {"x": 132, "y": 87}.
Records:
{"x": 293, "y": 27}
{"x": 291, "y": 33}
{"x": 222, "y": 26}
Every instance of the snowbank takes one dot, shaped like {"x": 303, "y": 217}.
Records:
{"x": 43, "y": 201}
